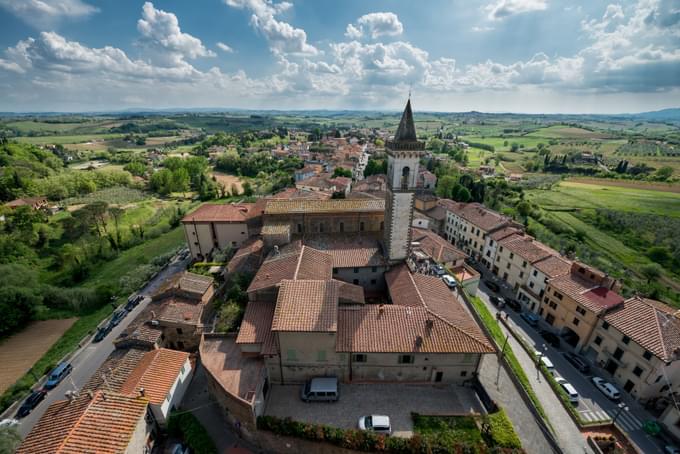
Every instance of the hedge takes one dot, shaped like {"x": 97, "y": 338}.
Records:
{"x": 365, "y": 441}
{"x": 187, "y": 427}
{"x": 501, "y": 430}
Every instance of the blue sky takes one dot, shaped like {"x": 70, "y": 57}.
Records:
{"x": 489, "y": 55}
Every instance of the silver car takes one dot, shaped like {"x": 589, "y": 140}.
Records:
{"x": 376, "y": 423}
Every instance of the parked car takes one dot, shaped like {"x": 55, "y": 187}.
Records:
{"x": 550, "y": 338}
{"x": 606, "y": 388}
{"x": 118, "y": 316}
{"x": 58, "y": 374}
{"x": 491, "y": 285}
{"x": 9, "y": 423}
{"x": 569, "y": 389}
{"x": 376, "y": 423}
{"x": 323, "y": 389}
{"x": 31, "y": 402}
{"x": 178, "y": 448}
{"x": 102, "y": 332}
{"x": 438, "y": 270}
{"x": 513, "y": 304}
{"x": 496, "y": 301}
{"x": 670, "y": 449}
{"x": 531, "y": 318}
{"x": 449, "y": 281}
{"x": 546, "y": 362}
{"x": 133, "y": 301}
{"x": 579, "y": 363}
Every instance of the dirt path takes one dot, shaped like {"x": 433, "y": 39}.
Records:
{"x": 19, "y": 352}
{"x": 228, "y": 180}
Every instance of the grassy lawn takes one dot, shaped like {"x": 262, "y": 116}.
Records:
{"x": 566, "y": 132}
{"x": 571, "y": 194}
{"x": 449, "y": 430}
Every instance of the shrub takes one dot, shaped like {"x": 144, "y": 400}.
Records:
{"x": 501, "y": 431}
{"x": 187, "y": 427}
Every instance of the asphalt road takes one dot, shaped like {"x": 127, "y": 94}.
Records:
{"x": 92, "y": 355}
{"x": 593, "y": 405}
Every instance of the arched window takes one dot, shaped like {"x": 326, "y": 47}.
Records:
{"x": 405, "y": 177}
{"x": 342, "y": 227}
{"x": 361, "y": 226}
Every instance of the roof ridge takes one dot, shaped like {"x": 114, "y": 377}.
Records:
{"x": 456, "y": 327}
{"x": 299, "y": 262}
{"x": 422, "y": 300}
{"x": 78, "y": 421}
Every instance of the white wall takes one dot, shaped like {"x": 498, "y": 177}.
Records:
{"x": 176, "y": 394}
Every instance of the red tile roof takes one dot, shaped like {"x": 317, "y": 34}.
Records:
{"x": 305, "y": 263}
{"x": 525, "y": 247}
{"x": 306, "y": 306}
{"x": 591, "y": 295}
{"x": 553, "y": 266}
{"x": 325, "y": 206}
{"x": 103, "y": 424}
{"x": 210, "y": 212}
{"x": 256, "y": 327}
{"x": 156, "y": 373}
{"x": 349, "y": 251}
{"x": 477, "y": 214}
{"x": 435, "y": 246}
{"x": 651, "y": 324}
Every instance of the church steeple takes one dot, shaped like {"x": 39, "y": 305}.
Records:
{"x": 406, "y": 132}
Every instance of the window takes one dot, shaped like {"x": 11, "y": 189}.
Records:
{"x": 531, "y": 284}
{"x": 625, "y": 340}
{"x": 637, "y": 371}
{"x": 550, "y": 319}
{"x": 580, "y": 310}
{"x": 558, "y": 295}
{"x": 374, "y": 269}
{"x": 179, "y": 330}
{"x": 535, "y": 273}
{"x": 658, "y": 379}
{"x": 500, "y": 249}
{"x": 521, "y": 274}
{"x": 605, "y": 325}
{"x": 355, "y": 282}
{"x": 512, "y": 255}
{"x": 463, "y": 373}
{"x": 356, "y": 270}
{"x": 321, "y": 355}
{"x": 488, "y": 253}
{"x": 508, "y": 266}
{"x": 233, "y": 243}
{"x": 552, "y": 305}
{"x": 299, "y": 228}
{"x": 361, "y": 226}
{"x": 647, "y": 355}
{"x": 505, "y": 276}
{"x": 576, "y": 321}
{"x": 342, "y": 226}
{"x": 618, "y": 354}
{"x": 335, "y": 271}
{"x": 498, "y": 258}
{"x": 373, "y": 281}
{"x": 598, "y": 340}
{"x": 359, "y": 358}
{"x": 406, "y": 359}
{"x": 321, "y": 227}
{"x": 291, "y": 355}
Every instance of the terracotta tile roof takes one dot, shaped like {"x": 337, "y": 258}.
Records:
{"x": 525, "y": 247}
{"x": 195, "y": 283}
{"x": 504, "y": 232}
{"x": 649, "y": 323}
{"x": 248, "y": 256}
{"x": 400, "y": 329}
{"x": 477, "y": 214}
{"x": 176, "y": 310}
{"x": 593, "y": 296}
{"x": 350, "y": 293}
{"x": 306, "y": 305}
{"x": 103, "y": 424}
{"x": 314, "y": 264}
{"x": 210, "y": 212}
{"x": 276, "y": 228}
{"x": 297, "y": 194}
{"x": 325, "y": 206}
{"x": 156, "y": 373}
{"x": 116, "y": 369}
{"x": 256, "y": 327}
{"x": 553, "y": 266}
{"x": 417, "y": 291}
{"x": 349, "y": 251}
{"x": 438, "y": 213}
{"x": 435, "y": 246}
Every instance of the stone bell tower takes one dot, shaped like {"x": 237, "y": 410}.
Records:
{"x": 403, "y": 157}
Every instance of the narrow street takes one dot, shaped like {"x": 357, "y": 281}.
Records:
{"x": 92, "y": 355}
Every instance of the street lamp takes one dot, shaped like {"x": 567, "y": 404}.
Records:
{"x": 622, "y": 406}
{"x": 539, "y": 355}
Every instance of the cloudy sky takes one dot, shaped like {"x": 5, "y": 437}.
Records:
{"x": 454, "y": 55}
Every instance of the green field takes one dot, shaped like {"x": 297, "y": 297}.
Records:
{"x": 81, "y": 138}
{"x": 569, "y": 195}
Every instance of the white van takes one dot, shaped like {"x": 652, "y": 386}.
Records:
{"x": 571, "y": 392}
{"x": 321, "y": 389}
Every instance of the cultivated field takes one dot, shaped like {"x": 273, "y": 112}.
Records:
{"x": 19, "y": 352}
{"x": 631, "y": 184}
{"x": 228, "y": 180}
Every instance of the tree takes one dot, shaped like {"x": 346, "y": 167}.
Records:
{"x": 247, "y": 189}
{"x": 664, "y": 173}
{"x": 375, "y": 167}
{"x": 136, "y": 168}
{"x": 514, "y": 147}
{"x": 342, "y": 172}
{"x": 9, "y": 440}
{"x": 446, "y": 185}
{"x": 462, "y": 195}
{"x": 659, "y": 254}
{"x": 651, "y": 271}
{"x": 379, "y": 143}
{"x": 523, "y": 208}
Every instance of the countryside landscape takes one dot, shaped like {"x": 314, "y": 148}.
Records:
{"x": 261, "y": 226}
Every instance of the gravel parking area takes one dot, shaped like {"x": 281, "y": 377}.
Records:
{"x": 394, "y": 400}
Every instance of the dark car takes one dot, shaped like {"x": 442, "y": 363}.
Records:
{"x": 118, "y": 316}
{"x": 438, "y": 270}
{"x": 513, "y": 304}
{"x": 31, "y": 402}
{"x": 58, "y": 374}
{"x": 551, "y": 338}
{"x": 102, "y": 331}
{"x": 531, "y": 318}
{"x": 579, "y": 363}
{"x": 133, "y": 301}
{"x": 491, "y": 285}
{"x": 496, "y": 301}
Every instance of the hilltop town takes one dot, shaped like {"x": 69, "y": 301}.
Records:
{"x": 361, "y": 274}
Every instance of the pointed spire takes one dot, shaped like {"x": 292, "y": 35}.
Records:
{"x": 406, "y": 132}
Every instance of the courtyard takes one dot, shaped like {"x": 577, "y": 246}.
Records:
{"x": 392, "y": 399}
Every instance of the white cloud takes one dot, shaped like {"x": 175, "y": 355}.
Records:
{"x": 46, "y": 13}
{"x": 161, "y": 30}
{"x": 501, "y": 9}
{"x": 283, "y": 38}
{"x": 225, "y": 48}
{"x": 375, "y": 25}
{"x": 481, "y": 29}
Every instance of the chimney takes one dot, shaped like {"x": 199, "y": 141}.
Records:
{"x": 429, "y": 323}
{"x": 141, "y": 392}
{"x": 90, "y": 394}
{"x": 276, "y": 249}
{"x": 419, "y": 341}
{"x": 381, "y": 309}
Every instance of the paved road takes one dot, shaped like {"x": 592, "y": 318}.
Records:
{"x": 593, "y": 405}
{"x": 92, "y": 355}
